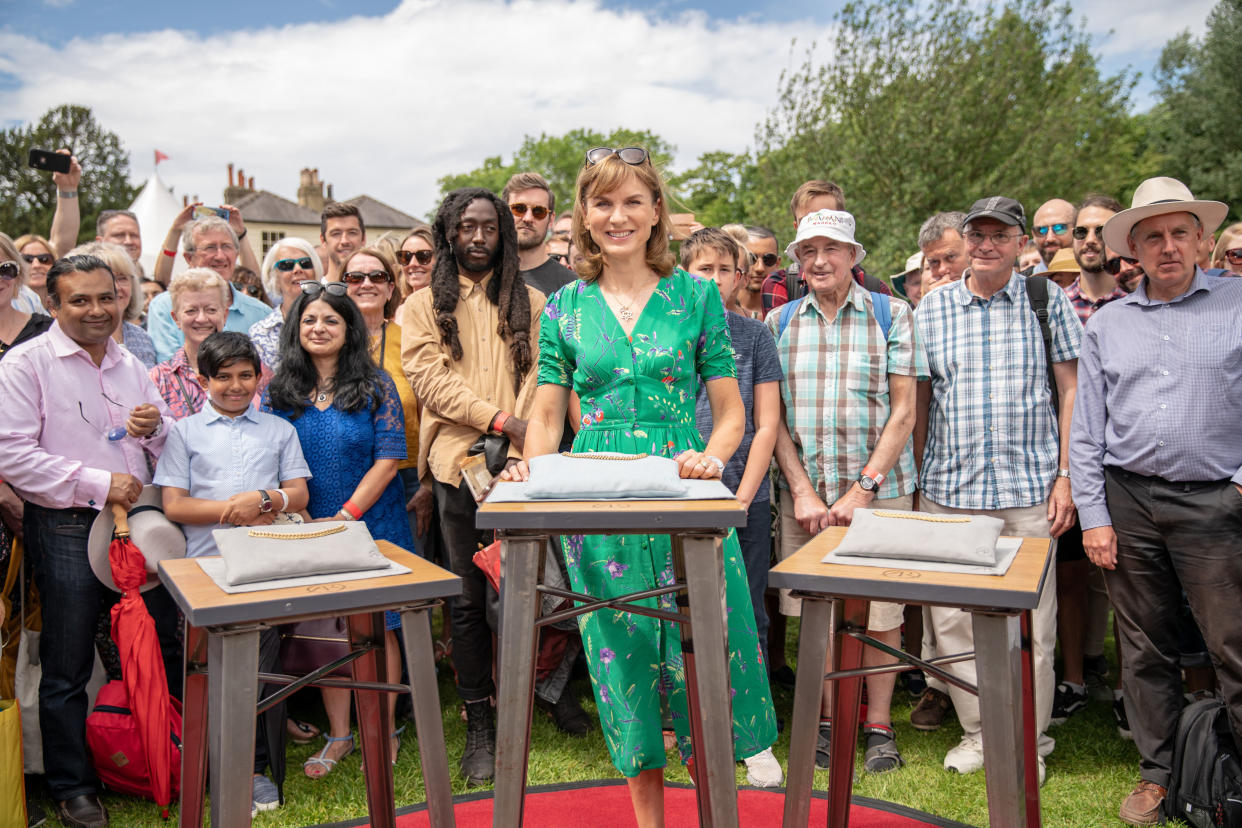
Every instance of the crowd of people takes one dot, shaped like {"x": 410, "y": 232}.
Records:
{"x": 1058, "y": 373}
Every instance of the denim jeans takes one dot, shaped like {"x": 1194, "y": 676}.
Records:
{"x": 71, "y": 597}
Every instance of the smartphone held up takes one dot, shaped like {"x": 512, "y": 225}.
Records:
{"x": 57, "y": 162}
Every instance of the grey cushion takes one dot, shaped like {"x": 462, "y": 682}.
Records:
{"x": 603, "y": 476}
{"x": 251, "y": 554}
{"x": 918, "y": 536}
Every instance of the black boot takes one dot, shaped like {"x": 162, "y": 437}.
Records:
{"x": 568, "y": 713}
{"x": 478, "y": 762}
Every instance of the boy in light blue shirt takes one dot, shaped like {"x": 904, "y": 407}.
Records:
{"x": 233, "y": 465}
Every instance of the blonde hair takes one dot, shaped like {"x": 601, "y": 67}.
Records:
{"x": 604, "y": 177}
{"x": 118, "y": 260}
{"x": 1224, "y": 242}
{"x": 742, "y": 237}
{"x": 195, "y": 279}
{"x": 33, "y": 238}
{"x": 8, "y": 248}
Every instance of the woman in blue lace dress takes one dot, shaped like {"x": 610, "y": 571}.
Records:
{"x": 348, "y": 417}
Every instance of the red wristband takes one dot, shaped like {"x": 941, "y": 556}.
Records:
{"x": 172, "y": 254}
{"x": 874, "y": 475}
{"x": 498, "y": 422}
{"x": 352, "y": 510}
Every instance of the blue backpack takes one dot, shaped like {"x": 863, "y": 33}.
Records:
{"x": 880, "y": 306}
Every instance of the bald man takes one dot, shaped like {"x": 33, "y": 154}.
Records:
{"x": 1051, "y": 228}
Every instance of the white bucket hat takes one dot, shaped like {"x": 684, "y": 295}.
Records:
{"x": 156, "y": 537}
{"x": 1156, "y": 197}
{"x": 829, "y": 224}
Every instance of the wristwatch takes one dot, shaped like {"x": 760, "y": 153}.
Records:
{"x": 868, "y": 484}
{"x": 1063, "y": 473}
{"x": 266, "y": 505}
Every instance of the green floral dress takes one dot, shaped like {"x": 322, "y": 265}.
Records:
{"x": 638, "y": 396}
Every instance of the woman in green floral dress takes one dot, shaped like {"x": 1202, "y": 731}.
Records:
{"x": 632, "y": 340}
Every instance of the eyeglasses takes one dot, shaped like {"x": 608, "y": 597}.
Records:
{"x": 316, "y": 288}
{"x": 537, "y": 211}
{"x": 1113, "y": 266}
{"x": 111, "y": 435}
{"x": 213, "y": 249}
{"x": 1234, "y": 255}
{"x": 560, "y": 258}
{"x": 770, "y": 259}
{"x": 1080, "y": 232}
{"x": 1057, "y": 229}
{"x": 9, "y": 271}
{"x": 286, "y": 265}
{"x": 998, "y": 238}
{"x": 630, "y": 155}
{"x": 423, "y": 257}
{"x": 41, "y": 258}
{"x": 357, "y": 277}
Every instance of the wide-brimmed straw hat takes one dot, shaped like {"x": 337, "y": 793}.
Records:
{"x": 156, "y": 537}
{"x": 1064, "y": 262}
{"x": 829, "y": 224}
{"x": 1157, "y": 197}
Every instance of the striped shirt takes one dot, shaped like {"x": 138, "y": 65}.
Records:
{"x": 1084, "y": 306}
{"x": 836, "y": 389}
{"x": 991, "y": 433}
{"x": 1159, "y": 391}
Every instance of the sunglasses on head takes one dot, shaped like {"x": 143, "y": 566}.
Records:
{"x": 537, "y": 211}
{"x": 422, "y": 256}
{"x": 1080, "y": 232}
{"x": 289, "y": 264}
{"x": 1057, "y": 229}
{"x": 1234, "y": 255}
{"x": 9, "y": 271}
{"x": 769, "y": 259}
{"x": 41, "y": 258}
{"x": 316, "y": 288}
{"x": 1113, "y": 265}
{"x": 357, "y": 277}
{"x": 630, "y": 155}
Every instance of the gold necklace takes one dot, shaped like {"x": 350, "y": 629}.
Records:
{"x": 623, "y": 308}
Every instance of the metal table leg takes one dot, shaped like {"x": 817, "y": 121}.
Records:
{"x": 847, "y": 655}
{"x": 804, "y": 725}
{"x": 705, "y": 650}
{"x": 420, "y": 658}
{"x": 521, "y": 561}
{"x": 233, "y": 689}
{"x": 1030, "y": 733}
{"x": 194, "y": 730}
{"x": 373, "y": 723}
{"x": 998, "y": 649}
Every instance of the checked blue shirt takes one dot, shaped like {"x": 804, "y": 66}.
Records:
{"x": 991, "y": 434}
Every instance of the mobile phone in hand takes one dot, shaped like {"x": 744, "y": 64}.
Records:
{"x": 204, "y": 212}
{"x": 42, "y": 159}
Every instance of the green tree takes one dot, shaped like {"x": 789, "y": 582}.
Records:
{"x": 28, "y": 197}
{"x": 718, "y": 190}
{"x": 927, "y": 106}
{"x": 556, "y": 158}
{"x": 1196, "y": 124}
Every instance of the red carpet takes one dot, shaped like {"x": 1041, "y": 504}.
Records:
{"x": 606, "y": 804}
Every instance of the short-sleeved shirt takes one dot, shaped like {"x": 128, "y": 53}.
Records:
{"x": 757, "y": 363}
{"x": 836, "y": 388}
{"x": 549, "y": 277}
{"x": 992, "y": 434}
{"x": 215, "y": 457}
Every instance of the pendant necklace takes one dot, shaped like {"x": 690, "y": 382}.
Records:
{"x": 320, "y": 394}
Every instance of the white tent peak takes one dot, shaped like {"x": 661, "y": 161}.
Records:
{"x": 155, "y": 208}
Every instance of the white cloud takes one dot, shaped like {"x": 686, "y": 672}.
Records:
{"x": 387, "y": 105}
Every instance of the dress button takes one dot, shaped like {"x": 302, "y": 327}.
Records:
{"x": 1166, "y": 337}
{"x": 1161, "y": 443}
{"x": 1164, "y": 373}
{"x": 1162, "y": 405}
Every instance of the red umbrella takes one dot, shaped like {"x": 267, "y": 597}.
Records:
{"x": 142, "y": 666}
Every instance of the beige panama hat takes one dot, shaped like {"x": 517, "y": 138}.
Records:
{"x": 156, "y": 537}
{"x": 1156, "y": 197}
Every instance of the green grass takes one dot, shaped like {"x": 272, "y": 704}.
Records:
{"x": 1089, "y": 773}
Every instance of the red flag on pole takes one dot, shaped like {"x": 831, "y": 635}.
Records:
{"x": 159, "y": 156}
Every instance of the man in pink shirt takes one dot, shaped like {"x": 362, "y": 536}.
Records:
{"x": 80, "y": 428}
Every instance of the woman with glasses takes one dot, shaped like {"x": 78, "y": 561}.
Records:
{"x": 39, "y": 255}
{"x": 347, "y": 413}
{"x": 417, "y": 257}
{"x": 288, "y": 264}
{"x": 633, "y": 339}
{"x": 129, "y": 299}
{"x": 1228, "y": 252}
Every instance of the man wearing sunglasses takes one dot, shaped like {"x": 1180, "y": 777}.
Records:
{"x": 532, "y": 203}
{"x": 1051, "y": 227}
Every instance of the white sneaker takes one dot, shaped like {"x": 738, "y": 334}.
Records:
{"x": 1043, "y": 771}
{"x": 967, "y": 757}
{"x": 763, "y": 771}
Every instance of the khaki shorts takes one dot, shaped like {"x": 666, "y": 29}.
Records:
{"x": 882, "y": 616}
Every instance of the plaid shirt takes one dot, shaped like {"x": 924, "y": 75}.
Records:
{"x": 1083, "y": 306}
{"x": 836, "y": 389}
{"x": 776, "y": 294}
{"x": 991, "y": 435}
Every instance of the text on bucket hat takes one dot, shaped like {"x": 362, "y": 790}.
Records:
{"x": 1157, "y": 197}
{"x": 828, "y": 224}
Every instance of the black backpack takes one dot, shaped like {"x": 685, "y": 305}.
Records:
{"x": 1205, "y": 788}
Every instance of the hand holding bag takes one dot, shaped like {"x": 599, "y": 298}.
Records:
{"x": 918, "y": 536}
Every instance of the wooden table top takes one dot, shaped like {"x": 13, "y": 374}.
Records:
{"x": 613, "y": 516}
{"x": 1018, "y": 589}
{"x": 205, "y": 604}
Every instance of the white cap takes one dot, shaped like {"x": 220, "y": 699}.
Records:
{"x": 829, "y": 224}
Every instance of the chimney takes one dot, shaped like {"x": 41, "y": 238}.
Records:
{"x": 236, "y": 188}
{"x": 330, "y": 198}
{"x": 230, "y": 173}
{"x": 250, "y": 184}
{"x": 310, "y": 191}
{"x": 185, "y": 200}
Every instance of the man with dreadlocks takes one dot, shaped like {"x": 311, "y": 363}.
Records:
{"x": 468, "y": 349}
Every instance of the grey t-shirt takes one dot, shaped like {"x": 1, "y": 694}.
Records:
{"x": 757, "y": 362}
{"x": 548, "y": 277}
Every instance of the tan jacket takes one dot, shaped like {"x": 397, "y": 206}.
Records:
{"x": 460, "y": 399}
